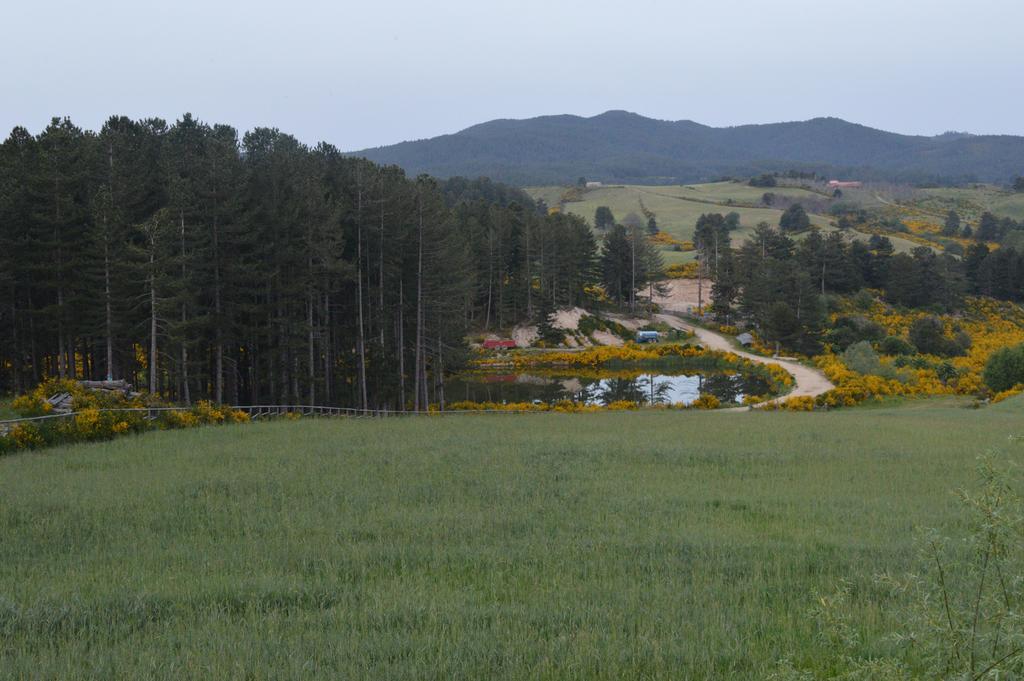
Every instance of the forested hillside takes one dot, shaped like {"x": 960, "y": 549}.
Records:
{"x": 201, "y": 265}
{"x": 618, "y": 146}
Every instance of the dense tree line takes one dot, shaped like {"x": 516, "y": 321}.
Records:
{"x": 780, "y": 285}
{"x": 258, "y": 269}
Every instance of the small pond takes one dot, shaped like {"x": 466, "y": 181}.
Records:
{"x": 642, "y": 388}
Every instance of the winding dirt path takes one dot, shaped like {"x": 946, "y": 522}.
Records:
{"x": 807, "y": 381}
{"x": 681, "y": 298}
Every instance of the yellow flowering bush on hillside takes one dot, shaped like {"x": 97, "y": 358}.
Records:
{"x": 990, "y": 324}
{"x": 666, "y": 239}
{"x": 682, "y": 270}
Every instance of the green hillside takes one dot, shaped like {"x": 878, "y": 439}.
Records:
{"x": 656, "y": 545}
{"x": 972, "y": 201}
{"x": 677, "y": 207}
{"x": 624, "y": 147}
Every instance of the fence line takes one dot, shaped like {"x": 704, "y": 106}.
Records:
{"x": 256, "y": 411}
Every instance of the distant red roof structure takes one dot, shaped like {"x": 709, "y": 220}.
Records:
{"x": 497, "y": 344}
{"x": 844, "y": 184}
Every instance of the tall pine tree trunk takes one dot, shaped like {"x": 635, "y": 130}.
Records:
{"x": 380, "y": 264}
{"x": 401, "y": 346}
{"x": 632, "y": 281}
{"x": 328, "y": 349}
{"x": 186, "y": 394}
{"x": 108, "y": 317}
{"x": 311, "y": 375}
{"x": 152, "y": 319}
{"x": 420, "y": 383}
{"x": 218, "y": 349}
{"x": 359, "y": 293}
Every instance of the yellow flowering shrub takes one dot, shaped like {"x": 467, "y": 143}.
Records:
{"x": 1006, "y": 394}
{"x": 205, "y": 412}
{"x": 31, "y": 405}
{"x": 596, "y": 292}
{"x": 795, "y": 403}
{"x": 706, "y": 401}
{"x": 666, "y": 239}
{"x": 800, "y": 403}
{"x": 990, "y": 324}
{"x": 24, "y": 436}
{"x": 682, "y": 270}
{"x": 178, "y": 419}
{"x": 100, "y": 415}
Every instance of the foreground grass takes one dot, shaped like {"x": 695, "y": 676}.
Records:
{"x": 633, "y": 545}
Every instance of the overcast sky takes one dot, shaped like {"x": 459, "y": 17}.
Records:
{"x": 374, "y": 72}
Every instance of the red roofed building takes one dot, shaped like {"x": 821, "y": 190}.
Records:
{"x": 497, "y": 344}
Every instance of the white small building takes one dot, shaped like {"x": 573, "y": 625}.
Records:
{"x": 594, "y": 185}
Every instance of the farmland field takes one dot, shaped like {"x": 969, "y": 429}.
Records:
{"x": 613, "y": 545}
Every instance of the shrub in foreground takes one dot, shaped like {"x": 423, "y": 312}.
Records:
{"x": 1005, "y": 369}
{"x": 101, "y": 416}
{"x": 958, "y": 611}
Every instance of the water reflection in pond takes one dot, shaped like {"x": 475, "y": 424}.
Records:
{"x": 644, "y": 389}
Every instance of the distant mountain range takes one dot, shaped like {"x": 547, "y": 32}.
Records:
{"x": 618, "y": 146}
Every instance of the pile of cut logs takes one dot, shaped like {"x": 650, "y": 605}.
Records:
{"x": 122, "y": 386}
{"x": 61, "y": 403}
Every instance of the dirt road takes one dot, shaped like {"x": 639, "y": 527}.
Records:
{"x": 807, "y": 381}
{"x": 681, "y": 297}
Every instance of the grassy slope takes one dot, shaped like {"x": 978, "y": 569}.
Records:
{"x": 678, "y": 207}
{"x": 661, "y": 545}
{"x": 971, "y": 202}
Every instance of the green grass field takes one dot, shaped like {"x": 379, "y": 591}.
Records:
{"x": 678, "y": 207}
{"x": 617, "y": 545}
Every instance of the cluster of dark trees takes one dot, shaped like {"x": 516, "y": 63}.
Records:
{"x": 990, "y": 228}
{"x": 201, "y": 265}
{"x": 763, "y": 180}
{"x": 781, "y": 285}
{"x": 629, "y": 262}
